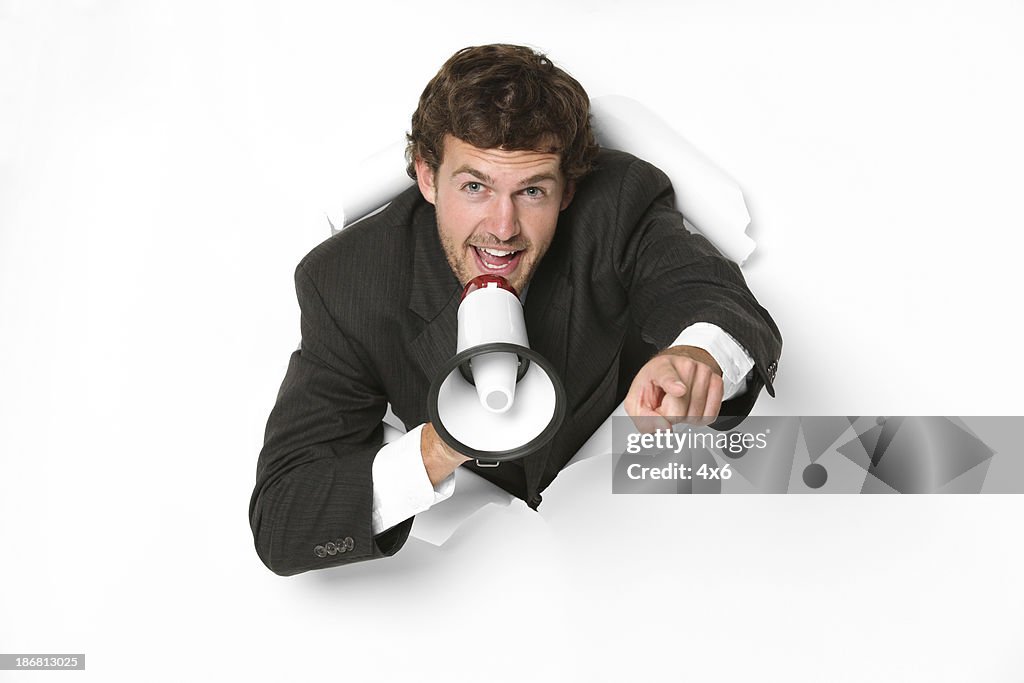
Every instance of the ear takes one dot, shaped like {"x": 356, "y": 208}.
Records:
{"x": 567, "y": 194}
{"x": 425, "y": 180}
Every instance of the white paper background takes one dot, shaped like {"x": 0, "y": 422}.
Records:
{"x": 163, "y": 167}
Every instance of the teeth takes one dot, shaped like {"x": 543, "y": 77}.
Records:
{"x": 495, "y": 252}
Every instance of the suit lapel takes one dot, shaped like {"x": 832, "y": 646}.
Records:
{"x": 547, "y": 313}
{"x": 434, "y": 296}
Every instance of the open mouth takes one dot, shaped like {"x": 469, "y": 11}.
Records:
{"x": 497, "y": 261}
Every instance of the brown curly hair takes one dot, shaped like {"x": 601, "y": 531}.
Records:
{"x": 506, "y": 96}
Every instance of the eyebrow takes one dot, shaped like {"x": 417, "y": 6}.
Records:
{"x": 539, "y": 178}
{"x": 480, "y": 175}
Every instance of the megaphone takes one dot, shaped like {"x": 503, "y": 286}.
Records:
{"x": 496, "y": 399}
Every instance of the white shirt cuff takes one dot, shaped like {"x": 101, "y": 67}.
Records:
{"x": 401, "y": 487}
{"x": 727, "y": 352}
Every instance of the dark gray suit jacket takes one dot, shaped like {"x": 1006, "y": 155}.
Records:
{"x": 621, "y": 279}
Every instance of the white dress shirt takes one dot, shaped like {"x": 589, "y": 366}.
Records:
{"x": 401, "y": 487}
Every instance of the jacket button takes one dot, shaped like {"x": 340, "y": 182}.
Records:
{"x": 320, "y": 551}
{"x": 349, "y": 543}
{"x": 331, "y": 548}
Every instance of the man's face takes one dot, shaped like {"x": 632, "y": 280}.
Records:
{"x": 496, "y": 209}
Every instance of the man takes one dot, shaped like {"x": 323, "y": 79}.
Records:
{"x": 617, "y": 294}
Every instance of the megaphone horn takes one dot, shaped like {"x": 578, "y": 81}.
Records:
{"x": 496, "y": 399}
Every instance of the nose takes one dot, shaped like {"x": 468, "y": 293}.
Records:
{"x": 504, "y": 220}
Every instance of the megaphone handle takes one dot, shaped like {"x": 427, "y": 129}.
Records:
{"x": 484, "y": 463}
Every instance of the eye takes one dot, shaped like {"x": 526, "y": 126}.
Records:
{"x": 535, "y": 192}
{"x": 473, "y": 187}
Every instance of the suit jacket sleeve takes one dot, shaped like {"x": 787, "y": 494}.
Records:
{"x": 313, "y": 480}
{"x": 676, "y": 278}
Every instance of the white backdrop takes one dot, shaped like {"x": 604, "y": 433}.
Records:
{"x": 164, "y": 166}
